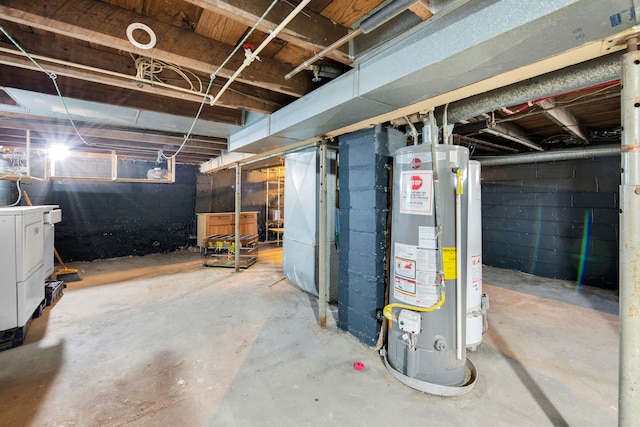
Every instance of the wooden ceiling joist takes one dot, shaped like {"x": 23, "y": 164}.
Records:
{"x": 30, "y": 80}
{"x": 58, "y": 128}
{"x": 309, "y": 30}
{"x": 105, "y": 25}
{"x": 111, "y": 69}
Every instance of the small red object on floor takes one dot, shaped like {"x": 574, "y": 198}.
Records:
{"x": 358, "y": 366}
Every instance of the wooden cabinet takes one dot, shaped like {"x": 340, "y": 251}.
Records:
{"x": 216, "y": 223}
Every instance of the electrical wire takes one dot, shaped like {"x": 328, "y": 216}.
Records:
{"x": 19, "y": 193}
{"x": 604, "y": 86}
{"x": 179, "y": 70}
{"x": 16, "y": 166}
{"x": 150, "y": 68}
{"x": 531, "y": 105}
{"x": 53, "y": 77}
{"x": 213, "y": 76}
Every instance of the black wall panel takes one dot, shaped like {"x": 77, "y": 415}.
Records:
{"x": 116, "y": 219}
{"x": 557, "y": 219}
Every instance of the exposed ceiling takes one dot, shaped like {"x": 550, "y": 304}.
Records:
{"x": 138, "y": 101}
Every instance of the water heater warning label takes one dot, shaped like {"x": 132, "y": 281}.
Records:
{"x": 406, "y": 268}
{"x": 414, "y": 275}
{"x": 416, "y": 192}
{"x": 449, "y": 263}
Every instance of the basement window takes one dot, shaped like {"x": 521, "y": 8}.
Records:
{"x": 111, "y": 167}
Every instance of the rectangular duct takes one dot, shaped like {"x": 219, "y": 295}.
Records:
{"x": 301, "y": 239}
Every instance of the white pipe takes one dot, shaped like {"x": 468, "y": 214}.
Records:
{"x": 114, "y": 165}
{"x": 413, "y": 130}
{"x": 322, "y": 229}
{"x": 445, "y": 126}
{"x": 459, "y": 342}
{"x": 249, "y": 59}
{"x": 629, "y": 366}
{"x": 433, "y": 129}
{"x": 306, "y": 64}
{"x": 127, "y": 78}
{"x": 550, "y": 156}
{"x": 28, "y": 153}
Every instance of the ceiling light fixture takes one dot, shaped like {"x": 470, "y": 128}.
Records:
{"x": 140, "y": 26}
{"x": 58, "y": 152}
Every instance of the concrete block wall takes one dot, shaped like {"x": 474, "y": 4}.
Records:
{"x": 115, "y": 219}
{"x": 363, "y": 212}
{"x": 554, "y": 219}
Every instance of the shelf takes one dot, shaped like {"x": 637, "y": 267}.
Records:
{"x": 218, "y": 223}
{"x": 219, "y": 250}
{"x": 274, "y": 197}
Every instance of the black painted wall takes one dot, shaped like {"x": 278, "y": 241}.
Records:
{"x": 364, "y": 207}
{"x": 115, "y": 219}
{"x": 217, "y": 193}
{"x": 546, "y": 218}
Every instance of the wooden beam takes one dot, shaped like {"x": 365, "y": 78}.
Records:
{"x": 114, "y": 70}
{"x": 103, "y": 24}
{"x": 421, "y": 8}
{"x": 45, "y": 139}
{"x": 109, "y": 144}
{"x": 94, "y": 92}
{"x": 13, "y": 134}
{"x": 135, "y": 150}
{"x": 13, "y": 124}
{"x": 309, "y": 30}
{"x": 42, "y": 142}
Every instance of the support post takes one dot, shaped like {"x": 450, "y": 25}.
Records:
{"x": 114, "y": 165}
{"x": 238, "y": 209}
{"x": 28, "y": 160}
{"x": 322, "y": 229}
{"x": 629, "y": 374}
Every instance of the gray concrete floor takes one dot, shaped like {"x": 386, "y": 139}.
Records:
{"x": 162, "y": 341}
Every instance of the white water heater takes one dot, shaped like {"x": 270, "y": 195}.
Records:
{"x": 426, "y": 346}
{"x": 475, "y": 305}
